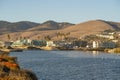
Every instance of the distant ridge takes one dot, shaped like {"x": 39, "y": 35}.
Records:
{"x": 51, "y": 28}
{"x": 7, "y": 27}
{"x": 50, "y": 25}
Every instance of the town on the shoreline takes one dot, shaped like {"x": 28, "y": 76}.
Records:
{"x": 108, "y": 41}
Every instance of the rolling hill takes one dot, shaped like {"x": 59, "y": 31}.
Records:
{"x": 7, "y": 27}
{"x": 50, "y": 25}
{"x": 92, "y": 27}
{"x": 78, "y": 30}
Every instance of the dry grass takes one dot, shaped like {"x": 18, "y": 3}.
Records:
{"x": 79, "y": 30}
{"x": 10, "y": 70}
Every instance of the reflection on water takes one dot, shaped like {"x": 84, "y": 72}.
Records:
{"x": 95, "y": 53}
{"x": 71, "y": 65}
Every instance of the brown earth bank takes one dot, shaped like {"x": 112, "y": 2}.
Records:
{"x": 10, "y": 69}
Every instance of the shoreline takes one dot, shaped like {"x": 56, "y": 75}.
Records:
{"x": 48, "y": 48}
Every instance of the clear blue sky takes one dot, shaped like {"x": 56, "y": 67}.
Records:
{"x": 74, "y": 11}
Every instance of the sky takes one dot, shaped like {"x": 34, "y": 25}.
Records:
{"x": 74, "y": 11}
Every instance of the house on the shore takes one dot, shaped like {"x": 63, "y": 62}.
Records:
{"x": 5, "y": 44}
{"x": 28, "y": 42}
{"x": 62, "y": 43}
{"x": 95, "y": 44}
{"x": 50, "y": 43}
{"x": 108, "y": 45}
{"x": 79, "y": 43}
{"x": 104, "y": 44}
{"x": 22, "y": 42}
{"x": 1, "y": 44}
{"x": 71, "y": 44}
{"x": 38, "y": 43}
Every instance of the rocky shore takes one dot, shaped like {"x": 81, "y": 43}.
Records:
{"x": 10, "y": 69}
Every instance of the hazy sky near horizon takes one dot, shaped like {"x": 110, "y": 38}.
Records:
{"x": 74, "y": 11}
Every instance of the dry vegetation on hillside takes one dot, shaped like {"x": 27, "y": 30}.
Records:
{"x": 78, "y": 30}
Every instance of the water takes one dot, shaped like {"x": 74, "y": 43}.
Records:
{"x": 70, "y": 65}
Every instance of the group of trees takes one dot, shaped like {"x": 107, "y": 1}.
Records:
{"x": 63, "y": 35}
{"x": 10, "y": 37}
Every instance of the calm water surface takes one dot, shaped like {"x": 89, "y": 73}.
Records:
{"x": 70, "y": 65}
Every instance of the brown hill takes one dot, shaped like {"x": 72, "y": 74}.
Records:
{"x": 7, "y": 27}
{"x": 91, "y": 27}
{"x": 50, "y": 25}
{"x": 78, "y": 30}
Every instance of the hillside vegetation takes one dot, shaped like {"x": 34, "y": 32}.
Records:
{"x": 51, "y": 28}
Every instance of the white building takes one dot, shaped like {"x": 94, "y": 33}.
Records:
{"x": 105, "y": 36}
{"x": 50, "y": 43}
{"x": 99, "y": 44}
{"x": 2, "y": 44}
{"x": 22, "y": 42}
{"x": 95, "y": 44}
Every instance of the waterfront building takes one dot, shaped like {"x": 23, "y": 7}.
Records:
{"x": 108, "y": 45}
{"x": 2, "y": 44}
{"x": 38, "y": 43}
{"x": 22, "y": 42}
{"x": 28, "y": 42}
{"x": 103, "y": 44}
{"x": 95, "y": 44}
{"x": 80, "y": 43}
{"x": 5, "y": 44}
{"x": 50, "y": 43}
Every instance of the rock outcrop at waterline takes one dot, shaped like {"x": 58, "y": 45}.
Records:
{"x": 10, "y": 70}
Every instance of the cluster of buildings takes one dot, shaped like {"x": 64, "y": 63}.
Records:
{"x": 22, "y": 43}
{"x": 112, "y": 42}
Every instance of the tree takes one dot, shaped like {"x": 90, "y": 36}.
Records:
{"x": 9, "y": 37}
{"x": 21, "y": 37}
{"x": 66, "y": 35}
{"x": 38, "y": 37}
{"x": 47, "y": 37}
{"x": 62, "y": 35}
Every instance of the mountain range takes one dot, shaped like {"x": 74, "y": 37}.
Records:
{"x": 51, "y": 28}
{"x": 6, "y": 27}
